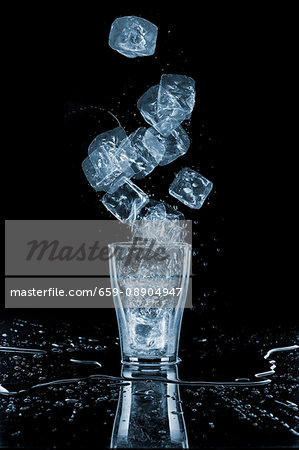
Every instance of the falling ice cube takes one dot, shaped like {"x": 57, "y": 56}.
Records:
{"x": 133, "y": 36}
{"x": 109, "y": 162}
{"x": 107, "y": 169}
{"x": 126, "y": 202}
{"x": 175, "y": 145}
{"x": 147, "y": 105}
{"x": 178, "y": 87}
{"x": 191, "y": 188}
{"x": 164, "y": 223}
{"x": 109, "y": 140}
{"x": 159, "y": 210}
{"x": 142, "y": 161}
{"x": 167, "y": 119}
{"x": 159, "y": 222}
{"x": 163, "y": 211}
{"x": 145, "y": 208}
{"x": 145, "y": 151}
{"x": 153, "y": 144}
{"x": 98, "y": 180}
{"x": 156, "y": 212}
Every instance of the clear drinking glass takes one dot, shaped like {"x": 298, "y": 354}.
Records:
{"x": 149, "y": 291}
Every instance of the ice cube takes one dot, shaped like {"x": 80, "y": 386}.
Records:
{"x": 153, "y": 144}
{"x": 190, "y": 188}
{"x": 96, "y": 179}
{"x": 133, "y": 36}
{"x": 126, "y": 202}
{"x": 179, "y": 87}
{"x": 145, "y": 151}
{"x": 109, "y": 140}
{"x": 156, "y": 212}
{"x": 163, "y": 211}
{"x": 110, "y": 164}
{"x": 167, "y": 119}
{"x": 167, "y": 105}
{"x": 159, "y": 222}
{"x": 176, "y": 144}
{"x": 107, "y": 168}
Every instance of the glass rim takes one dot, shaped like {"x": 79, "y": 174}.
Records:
{"x": 136, "y": 244}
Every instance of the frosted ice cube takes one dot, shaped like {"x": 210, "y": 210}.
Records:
{"x": 145, "y": 151}
{"x": 126, "y": 202}
{"x": 133, "y": 36}
{"x": 159, "y": 222}
{"x": 110, "y": 164}
{"x": 176, "y": 144}
{"x": 109, "y": 140}
{"x": 167, "y": 119}
{"x": 190, "y": 188}
{"x": 179, "y": 87}
{"x": 96, "y": 179}
{"x": 153, "y": 144}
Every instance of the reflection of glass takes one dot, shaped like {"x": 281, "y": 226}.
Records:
{"x": 149, "y": 291}
{"x": 149, "y": 413}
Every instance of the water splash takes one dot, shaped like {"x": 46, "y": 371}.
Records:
{"x": 272, "y": 362}
{"x": 111, "y": 114}
{"x": 32, "y": 351}
{"x": 86, "y": 362}
{"x": 238, "y": 382}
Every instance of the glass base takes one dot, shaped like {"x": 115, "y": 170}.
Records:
{"x": 167, "y": 361}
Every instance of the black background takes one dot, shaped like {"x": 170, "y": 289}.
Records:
{"x": 61, "y": 78}
{"x": 242, "y": 60}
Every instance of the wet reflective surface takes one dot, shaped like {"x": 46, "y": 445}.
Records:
{"x": 57, "y": 392}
